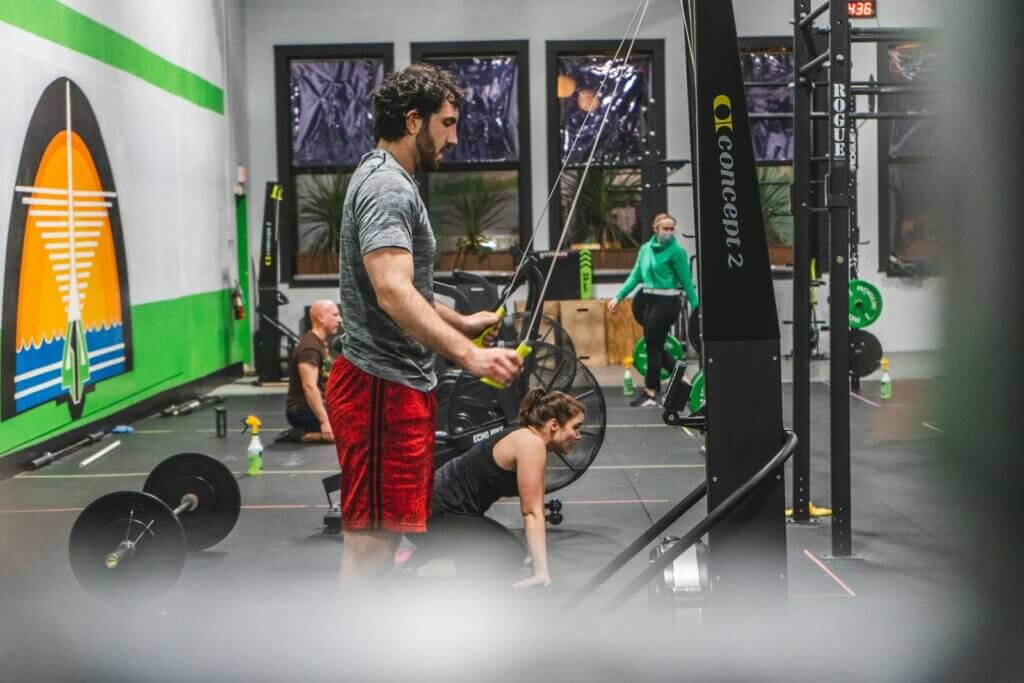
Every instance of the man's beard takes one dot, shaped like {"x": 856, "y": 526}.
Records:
{"x": 426, "y": 153}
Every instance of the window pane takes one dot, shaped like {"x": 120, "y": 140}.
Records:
{"x": 489, "y": 117}
{"x": 331, "y": 112}
{"x": 475, "y": 212}
{"x": 579, "y": 78}
{"x": 773, "y": 138}
{"x": 319, "y": 198}
{"x": 912, "y": 233}
{"x": 912, "y": 63}
{"x": 608, "y": 212}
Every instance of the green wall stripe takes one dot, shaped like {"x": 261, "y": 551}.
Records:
{"x": 173, "y": 342}
{"x": 242, "y": 238}
{"x": 62, "y": 25}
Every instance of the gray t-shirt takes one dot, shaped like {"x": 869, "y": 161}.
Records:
{"x": 383, "y": 208}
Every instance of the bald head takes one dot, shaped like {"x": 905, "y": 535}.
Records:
{"x": 324, "y": 318}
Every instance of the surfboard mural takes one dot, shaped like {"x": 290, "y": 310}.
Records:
{"x": 66, "y": 309}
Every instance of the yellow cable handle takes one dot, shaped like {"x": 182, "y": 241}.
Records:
{"x": 479, "y": 341}
{"x": 523, "y": 350}
{"x": 254, "y": 423}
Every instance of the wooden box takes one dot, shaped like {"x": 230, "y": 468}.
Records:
{"x": 551, "y": 309}
{"x": 621, "y": 332}
{"x": 584, "y": 321}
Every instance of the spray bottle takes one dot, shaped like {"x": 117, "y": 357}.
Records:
{"x": 885, "y": 385}
{"x": 255, "y": 451}
{"x": 627, "y": 378}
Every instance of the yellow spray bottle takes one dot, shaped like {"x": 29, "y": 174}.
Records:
{"x": 255, "y": 451}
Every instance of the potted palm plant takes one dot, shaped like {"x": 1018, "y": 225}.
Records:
{"x": 320, "y": 208}
{"x": 773, "y": 187}
{"x": 474, "y": 207}
{"x": 605, "y": 192}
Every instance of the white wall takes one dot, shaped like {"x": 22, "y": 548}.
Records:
{"x": 911, "y": 319}
{"x": 169, "y": 156}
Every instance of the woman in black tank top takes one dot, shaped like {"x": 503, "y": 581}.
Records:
{"x": 512, "y": 463}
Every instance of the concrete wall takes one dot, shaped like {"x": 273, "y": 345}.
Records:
{"x": 912, "y": 307}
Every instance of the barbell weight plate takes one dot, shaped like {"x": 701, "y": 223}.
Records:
{"x": 220, "y": 500}
{"x": 865, "y": 353}
{"x": 865, "y": 304}
{"x": 672, "y": 346}
{"x": 159, "y": 547}
{"x": 697, "y": 393}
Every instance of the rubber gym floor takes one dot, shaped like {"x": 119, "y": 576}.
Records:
{"x": 235, "y": 603}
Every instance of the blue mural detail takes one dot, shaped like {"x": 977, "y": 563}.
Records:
{"x": 42, "y": 364}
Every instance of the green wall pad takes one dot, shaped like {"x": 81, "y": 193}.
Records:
{"x": 175, "y": 342}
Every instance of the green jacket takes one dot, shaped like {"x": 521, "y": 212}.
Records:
{"x": 661, "y": 266}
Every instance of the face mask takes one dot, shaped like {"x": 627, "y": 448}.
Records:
{"x": 664, "y": 237}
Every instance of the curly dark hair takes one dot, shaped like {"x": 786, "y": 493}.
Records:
{"x": 421, "y": 87}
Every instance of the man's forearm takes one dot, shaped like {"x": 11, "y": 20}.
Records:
{"x": 424, "y": 323}
{"x": 449, "y": 316}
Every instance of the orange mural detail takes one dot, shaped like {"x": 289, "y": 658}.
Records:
{"x": 48, "y": 265}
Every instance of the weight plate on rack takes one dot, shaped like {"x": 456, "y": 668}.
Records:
{"x": 220, "y": 500}
{"x": 865, "y": 304}
{"x": 145, "y": 520}
{"x": 865, "y": 353}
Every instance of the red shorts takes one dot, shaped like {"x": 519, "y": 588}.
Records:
{"x": 384, "y": 433}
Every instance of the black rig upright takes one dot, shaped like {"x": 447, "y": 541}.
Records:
{"x": 803, "y": 96}
{"x": 840, "y": 108}
{"x": 268, "y": 337}
{"x": 740, "y": 326}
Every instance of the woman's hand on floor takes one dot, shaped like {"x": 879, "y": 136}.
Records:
{"x": 542, "y": 580}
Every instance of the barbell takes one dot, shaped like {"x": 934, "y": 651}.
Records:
{"x": 131, "y": 545}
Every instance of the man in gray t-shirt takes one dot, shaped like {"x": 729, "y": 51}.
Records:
{"x": 383, "y": 209}
{"x": 379, "y": 396}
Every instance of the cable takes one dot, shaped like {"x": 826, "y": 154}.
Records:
{"x": 583, "y": 176}
{"x": 565, "y": 163}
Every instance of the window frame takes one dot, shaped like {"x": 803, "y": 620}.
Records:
{"x": 286, "y": 171}
{"x": 766, "y": 44}
{"x": 772, "y": 43}
{"x": 655, "y": 47}
{"x": 884, "y": 165}
{"x": 520, "y": 49}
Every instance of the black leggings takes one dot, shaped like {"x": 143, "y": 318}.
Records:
{"x": 661, "y": 312}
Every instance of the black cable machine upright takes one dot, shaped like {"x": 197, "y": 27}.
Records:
{"x": 840, "y": 197}
{"x": 269, "y": 333}
{"x": 747, "y": 446}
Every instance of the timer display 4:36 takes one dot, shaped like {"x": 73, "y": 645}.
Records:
{"x": 862, "y": 9}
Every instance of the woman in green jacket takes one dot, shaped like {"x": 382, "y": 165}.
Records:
{"x": 663, "y": 268}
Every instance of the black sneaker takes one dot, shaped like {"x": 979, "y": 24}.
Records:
{"x": 642, "y": 398}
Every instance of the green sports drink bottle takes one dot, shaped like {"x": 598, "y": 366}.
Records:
{"x": 885, "y": 385}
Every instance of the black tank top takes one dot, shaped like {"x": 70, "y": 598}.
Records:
{"x": 472, "y": 482}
